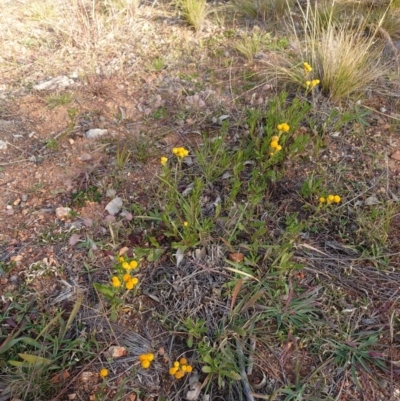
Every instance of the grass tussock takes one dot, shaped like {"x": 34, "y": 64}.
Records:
{"x": 194, "y": 11}
{"x": 345, "y": 55}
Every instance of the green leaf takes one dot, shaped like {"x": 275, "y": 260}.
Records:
{"x": 106, "y": 290}
{"x": 35, "y": 360}
{"x": 26, "y": 340}
{"x": 206, "y": 369}
{"x": 232, "y": 375}
{"x": 17, "y": 364}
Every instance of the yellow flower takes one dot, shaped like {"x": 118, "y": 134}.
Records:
{"x": 131, "y": 283}
{"x": 126, "y": 277}
{"x": 103, "y": 373}
{"x": 271, "y": 153}
{"x": 121, "y": 259}
{"x": 279, "y": 147}
{"x": 183, "y": 361}
{"x": 176, "y": 364}
{"x": 283, "y": 127}
{"x": 145, "y": 364}
{"x": 314, "y": 82}
{"x": 126, "y": 266}
{"x": 180, "y": 152}
{"x": 275, "y": 138}
{"x": 172, "y": 371}
{"x": 133, "y": 264}
{"x": 185, "y": 224}
{"x": 307, "y": 67}
{"x": 274, "y": 144}
{"x": 115, "y": 281}
{"x": 330, "y": 198}
{"x": 189, "y": 369}
{"x": 308, "y": 84}
{"x": 150, "y": 357}
{"x": 322, "y": 199}
{"x": 183, "y": 368}
{"x": 178, "y": 375}
{"x": 143, "y": 357}
{"x": 337, "y": 199}
{"x": 164, "y": 160}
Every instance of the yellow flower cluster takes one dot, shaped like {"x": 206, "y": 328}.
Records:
{"x": 311, "y": 84}
{"x": 180, "y": 152}
{"x": 145, "y": 360}
{"x": 330, "y": 199}
{"x": 283, "y": 127}
{"x": 103, "y": 373}
{"x": 180, "y": 368}
{"x": 307, "y": 67}
{"x": 130, "y": 282}
{"x": 128, "y": 266}
{"x": 164, "y": 160}
{"x": 275, "y": 145}
{"x": 115, "y": 282}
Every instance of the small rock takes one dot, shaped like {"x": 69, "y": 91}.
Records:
{"x": 95, "y": 133}
{"x": 71, "y": 141}
{"x": 63, "y": 212}
{"x": 116, "y": 352}
{"x": 86, "y": 376}
{"x": 72, "y": 396}
{"x": 88, "y": 222}
{"x": 10, "y": 212}
{"x": 85, "y": 157}
{"x": 372, "y": 200}
{"x": 17, "y": 202}
{"x": 110, "y": 219}
{"x": 24, "y": 197}
{"x": 114, "y": 206}
{"x": 16, "y": 259}
{"x": 9, "y": 207}
{"x": 395, "y": 155}
{"x": 128, "y": 216}
{"x": 54, "y": 83}
{"x": 111, "y": 193}
{"x": 3, "y": 145}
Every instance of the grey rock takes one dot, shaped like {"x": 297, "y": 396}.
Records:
{"x": 95, "y": 133}
{"x": 3, "y": 145}
{"x": 114, "y": 206}
{"x": 55, "y": 83}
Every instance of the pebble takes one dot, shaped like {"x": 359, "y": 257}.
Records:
{"x": 63, "y": 212}
{"x": 3, "y": 145}
{"x": 95, "y": 133}
{"x": 24, "y": 197}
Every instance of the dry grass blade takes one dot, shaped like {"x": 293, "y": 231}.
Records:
{"x": 236, "y": 291}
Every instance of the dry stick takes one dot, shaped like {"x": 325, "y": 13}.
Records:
{"x": 246, "y": 387}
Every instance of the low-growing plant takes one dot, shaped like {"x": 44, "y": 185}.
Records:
{"x": 58, "y": 99}
{"x": 121, "y": 283}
